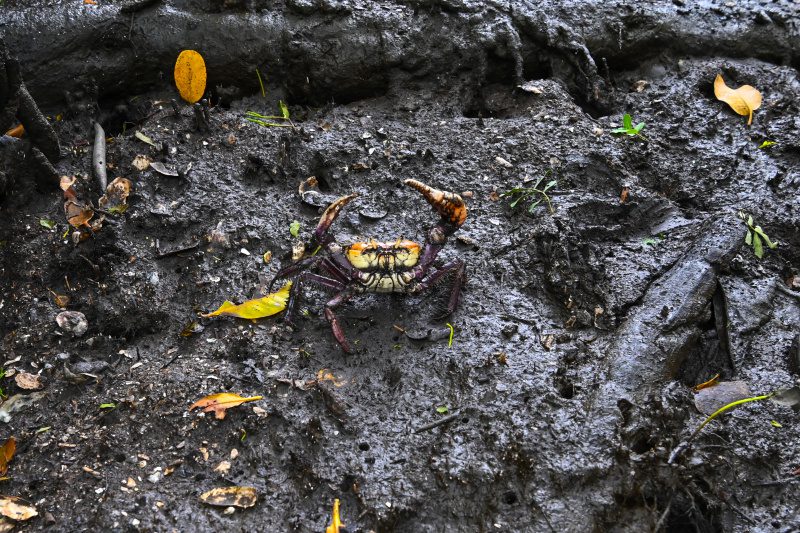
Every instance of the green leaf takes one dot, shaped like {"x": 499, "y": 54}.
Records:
{"x": 639, "y": 127}
{"x": 284, "y": 109}
{"x": 748, "y": 239}
{"x": 775, "y": 424}
{"x": 619, "y": 130}
{"x": 44, "y": 429}
{"x": 627, "y": 121}
{"x": 49, "y": 224}
{"x": 108, "y": 406}
{"x": 758, "y": 248}
{"x": 650, "y": 241}
{"x": 515, "y": 202}
{"x": 442, "y": 409}
{"x": 144, "y": 138}
{"x": 750, "y": 221}
{"x": 533, "y": 205}
{"x": 294, "y": 228}
{"x": 549, "y": 184}
{"x": 766, "y": 144}
{"x": 763, "y": 235}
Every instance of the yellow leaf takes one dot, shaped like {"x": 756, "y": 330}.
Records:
{"x": 13, "y": 508}
{"x": 219, "y": 403}
{"x": 230, "y": 496}
{"x": 6, "y": 453}
{"x": 336, "y": 522}
{"x": 743, "y": 100}
{"x": 190, "y": 75}
{"x": 269, "y": 305}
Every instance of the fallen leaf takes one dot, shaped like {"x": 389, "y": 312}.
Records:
{"x": 141, "y": 162}
{"x": 336, "y": 522}
{"x": 327, "y": 375}
{"x": 17, "y": 131}
{"x": 219, "y": 403}
{"x": 258, "y": 308}
{"x": 743, "y": 100}
{"x": 90, "y": 2}
{"x": 6, "y": 453}
{"x": 704, "y": 385}
{"x": 161, "y": 168}
{"x": 223, "y": 467}
{"x": 190, "y": 75}
{"x": 45, "y": 223}
{"x": 623, "y": 196}
{"x": 531, "y": 87}
{"x": 145, "y": 139}
{"x": 67, "y": 182}
{"x": 28, "y": 381}
{"x": 115, "y": 199}
{"x": 14, "y": 508}
{"x": 230, "y": 496}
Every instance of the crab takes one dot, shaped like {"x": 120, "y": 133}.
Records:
{"x": 402, "y": 266}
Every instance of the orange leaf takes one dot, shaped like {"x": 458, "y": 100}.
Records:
{"x": 218, "y": 403}
{"x": 6, "y": 453}
{"x": 269, "y": 305}
{"x": 16, "y": 131}
{"x": 706, "y": 384}
{"x": 743, "y": 100}
{"x": 336, "y": 522}
{"x": 190, "y": 75}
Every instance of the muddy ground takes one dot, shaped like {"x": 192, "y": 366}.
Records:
{"x": 579, "y": 334}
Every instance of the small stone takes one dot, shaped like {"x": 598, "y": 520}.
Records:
{"x": 153, "y": 278}
{"x": 229, "y": 510}
{"x": 72, "y": 322}
{"x": 155, "y": 477}
{"x": 245, "y": 251}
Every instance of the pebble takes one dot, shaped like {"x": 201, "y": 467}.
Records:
{"x": 72, "y": 322}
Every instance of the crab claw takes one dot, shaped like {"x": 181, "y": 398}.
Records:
{"x": 448, "y": 204}
{"x": 320, "y": 236}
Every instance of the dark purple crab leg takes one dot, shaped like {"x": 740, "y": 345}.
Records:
{"x": 328, "y": 283}
{"x": 336, "y": 328}
{"x": 457, "y": 266}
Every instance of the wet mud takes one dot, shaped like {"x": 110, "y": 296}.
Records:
{"x": 580, "y": 331}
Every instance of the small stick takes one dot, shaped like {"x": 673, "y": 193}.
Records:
{"x": 99, "y": 156}
{"x": 445, "y": 420}
{"x": 787, "y": 291}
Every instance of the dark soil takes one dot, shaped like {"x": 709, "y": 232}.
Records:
{"x": 579, "y": 334}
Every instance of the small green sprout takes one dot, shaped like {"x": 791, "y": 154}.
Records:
{"x": 2, "y": 375}
{"x": 539, "y": 194}
{"x": 627, "y": 126}
{"x": 244, "y": 435}
{"x": 267, "y": 120}
{"x": 755, "y": 236}
{"x": 261, "y": 83}
{"x": 766, "y": 144}
{"x": 45, "y": 223}
{"x": 452, "y": 332}
{"x": 44, "y": 429}
{"x": 294, "y": 228}
{"x": 110, "y": 405}
{"x": 442, "y": 409}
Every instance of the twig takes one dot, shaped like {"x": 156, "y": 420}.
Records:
{"x": 445, "y": 420}
{"x": 99, "y": 156}
{"x": 787, "y": 291}
{"x": 176, "y": 251}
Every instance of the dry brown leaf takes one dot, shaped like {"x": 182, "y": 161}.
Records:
{"x": 141, "y": 162}
{"x": 258, "y": 308}
{"x": 743, "y": 100}
{"x": 623, "y": 196}
{"x": 28, "y": 381}
{"x": 16, "y": 508}
{"x": 190, "y": 75}
{"x": 706, "y": 384}
{"x": 78, "y": 213}
{"x": 336, "y": 521}
{"x": 327, "y": 375}
{"x": 67, "y": 182}
{"x": 17, "y": 131}
{"x": 230, "y": 497}
{"x": 219, "y": 403}
{"x": 7, "y": 451}
{"x": 116, "y": 197}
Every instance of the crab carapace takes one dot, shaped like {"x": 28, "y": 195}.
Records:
{"x": 402, "y": 266}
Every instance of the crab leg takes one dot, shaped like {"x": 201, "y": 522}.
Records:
{"x": 455, "y": 266}
{"x": 336, "y": 328}
{"x": 328, "y": 283}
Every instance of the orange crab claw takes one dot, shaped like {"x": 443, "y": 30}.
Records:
{"x": 448, "y": 204}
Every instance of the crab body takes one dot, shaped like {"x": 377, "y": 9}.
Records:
{"x": 402, "y": 266}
